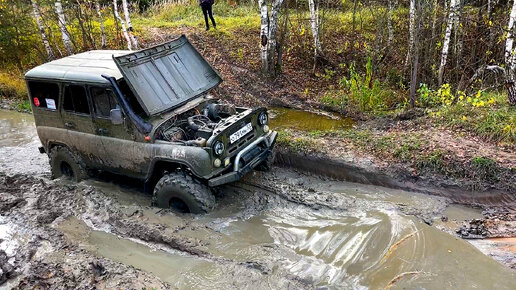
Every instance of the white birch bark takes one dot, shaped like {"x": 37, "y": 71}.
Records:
{"x": 46, "y": 43}
{"x": 390, "y": 30}
{"x": 268, "y": 29}
{"x": 264, "y": 34}
{"x": 315, "y": 24}
{"x": 122, "y": 23}
{"x": 446, "y": 42}
{"x": 61, "y": 21}
{"x": 509, "y": 50}
{"x": 412, "y": 23}
{"x": 510, "y": 58}
{"x": 101, "y": 22}
{"x": 129, "y": 24}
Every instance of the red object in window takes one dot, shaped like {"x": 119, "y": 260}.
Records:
{"x": 36, "y": 102}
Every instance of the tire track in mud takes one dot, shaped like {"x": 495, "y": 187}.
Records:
{"x": 27, "y": 201}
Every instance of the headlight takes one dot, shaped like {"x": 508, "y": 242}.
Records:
{"x": 263, "y": 119}
{"x": 218, "y": 148}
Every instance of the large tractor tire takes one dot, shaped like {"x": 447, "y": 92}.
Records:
{"x": 181, "y": 193}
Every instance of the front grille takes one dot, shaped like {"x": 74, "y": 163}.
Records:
{"x": 241, "y": 143}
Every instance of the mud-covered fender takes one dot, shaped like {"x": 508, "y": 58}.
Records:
{"x": 197, "y": 159}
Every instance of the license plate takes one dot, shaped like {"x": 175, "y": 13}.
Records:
{"x": 240, "y": 133}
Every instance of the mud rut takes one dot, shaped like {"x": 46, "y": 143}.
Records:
{"x": 281, "y": 229}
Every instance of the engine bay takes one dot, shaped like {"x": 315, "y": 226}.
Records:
{"x": 195, "y": 126}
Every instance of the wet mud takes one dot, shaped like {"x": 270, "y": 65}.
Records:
{"x": 280, "y": 229}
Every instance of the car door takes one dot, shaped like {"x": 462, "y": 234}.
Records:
{"x": 119, "y": 149}
{"x": 78, "y": 121}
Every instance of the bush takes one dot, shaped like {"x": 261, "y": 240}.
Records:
{"x": 12, "y": 86}
{"x": 363, "y": 93}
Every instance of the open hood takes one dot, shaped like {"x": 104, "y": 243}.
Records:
{"x": 168, "y": 75}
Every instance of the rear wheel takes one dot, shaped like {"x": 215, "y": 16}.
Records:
{"x": 181, "y": 193}
{"x": 63, "y": 163}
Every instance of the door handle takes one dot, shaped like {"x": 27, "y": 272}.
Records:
{"x": 69, "y": 125}
{"x": 103, "y": 131}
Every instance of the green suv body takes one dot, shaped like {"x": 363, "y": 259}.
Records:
{"x": 147, "y": 115}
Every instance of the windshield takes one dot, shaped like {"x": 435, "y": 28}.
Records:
{"x": 131, "y": 98}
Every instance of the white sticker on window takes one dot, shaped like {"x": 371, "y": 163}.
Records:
{"x": 51, "y": 104}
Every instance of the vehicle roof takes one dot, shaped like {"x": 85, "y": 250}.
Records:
{"x": 83, "y": 67}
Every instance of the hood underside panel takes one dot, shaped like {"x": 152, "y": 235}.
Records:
{"x": 166, "y": 76}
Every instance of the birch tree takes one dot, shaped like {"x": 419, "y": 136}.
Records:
{"x": 412, "y": 24}
{"x": 268, "y": 29}
{"x": 510, "y": 58}
{"x": 101, "y": 22}
{"x": 452, "y": 15}
{"x": 122, "y": 23}
{"x": 415, "y": 49}
{"x": 390, "y": 30}
{"x": 315, "y": 24}
{"x": 130, "y": 29}
{"x": 61, "y": 21}
{"x": 37, "y": 17}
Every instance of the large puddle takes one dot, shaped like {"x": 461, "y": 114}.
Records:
{"x": 367, "y": 242}
{"x": 284, "y": 118}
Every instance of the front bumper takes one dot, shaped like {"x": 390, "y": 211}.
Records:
{"x": 243, "y": 164}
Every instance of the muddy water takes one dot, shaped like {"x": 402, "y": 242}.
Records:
{"x": 281, "y": 228}
{"x": 282, "y": 118}
{"x": 19, "y": 145}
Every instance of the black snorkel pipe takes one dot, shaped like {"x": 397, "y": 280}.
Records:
{"x": 141, "y": 125}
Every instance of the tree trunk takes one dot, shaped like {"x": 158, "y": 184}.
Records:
{"x": 447, "y": 37}
{"x": 390, "y": 30}
{"x": 510, "y": 58}
{"x": 435, "y": 8}
{"x": 122, "y": 23}
{"x": 46, "y": 43}
{"x": 415, "y": 51}
{"x": 81, "y": 24}
{"x": 264, "y": 34}
{"x": 62, "y": 26}
{"x": 459, "y": 41}
{"x": 129, "y": 24}
{"x": 315, "y": 26}
{"x": 101, "y": 22}
{"x": 412, "y": 24}
{"x": 268, "y": 29}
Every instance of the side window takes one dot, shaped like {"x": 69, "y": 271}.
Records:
{"x": 44, "y": 94}
{"x": 75, "y": 100}
{"x": 103, "y": 101}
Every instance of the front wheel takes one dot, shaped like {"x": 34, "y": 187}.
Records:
{"x": 64, "y": 163}
{"x": 181, "y": 193}
{"x": 266, "y": 164}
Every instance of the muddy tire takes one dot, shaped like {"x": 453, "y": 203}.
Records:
{"x": 266, "y": 165}
{"x": 181, "y": 193}
{"x": 63, "y": 163}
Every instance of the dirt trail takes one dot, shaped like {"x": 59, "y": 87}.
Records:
{"x": 281, "y": 229}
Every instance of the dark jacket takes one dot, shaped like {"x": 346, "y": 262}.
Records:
{"x": 206, "y": 2}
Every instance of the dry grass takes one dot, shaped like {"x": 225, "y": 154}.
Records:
{"x": 12, "y": 86}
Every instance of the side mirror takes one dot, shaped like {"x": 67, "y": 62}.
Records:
{"x": 115, "y": 115}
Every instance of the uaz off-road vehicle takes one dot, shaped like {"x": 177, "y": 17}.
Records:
{"x": 147, "y": 115}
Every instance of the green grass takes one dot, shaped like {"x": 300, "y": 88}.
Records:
{"x": 296, "y": 144}
{"x": 24, "y": 106}
{"x": 494, "y": 122}
{"x": 228, "y": 18}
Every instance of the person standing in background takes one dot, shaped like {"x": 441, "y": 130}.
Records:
{"x": 206, "y": 10}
